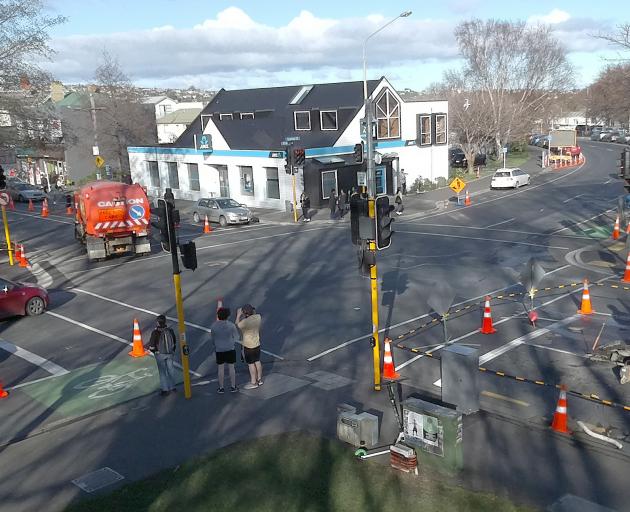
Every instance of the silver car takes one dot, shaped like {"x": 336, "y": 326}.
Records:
{"x": 222, "y": 210}
{"x": 22, "y": 192}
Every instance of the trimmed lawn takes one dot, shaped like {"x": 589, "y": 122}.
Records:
{"x": 291, "y": 473}
{"x": 512, "y": 160}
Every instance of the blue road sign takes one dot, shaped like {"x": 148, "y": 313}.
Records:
{"x": 136, "y": 212}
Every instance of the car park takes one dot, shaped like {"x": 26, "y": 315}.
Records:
{"x": 223, "y": 210}
{"x": 457, "y": 158}
{"x": 22, "y": 192}
{"x": 509, "y": 178}
{"x": 18, "y": 299}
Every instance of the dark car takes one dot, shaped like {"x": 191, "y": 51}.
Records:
{"x": 18, "y": 299}
{"x": 457, "y": 158}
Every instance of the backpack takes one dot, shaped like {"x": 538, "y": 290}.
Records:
{"x": 166, "y": 342}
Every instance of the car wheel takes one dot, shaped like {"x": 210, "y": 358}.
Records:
{"x": 196, "y": 218}
{"x": 35, "y": 306}
{"x": 222, "y": 221}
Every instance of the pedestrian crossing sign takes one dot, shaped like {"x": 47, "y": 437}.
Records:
{"x": 99, "y": 161}
{"x": 457, "y": 185}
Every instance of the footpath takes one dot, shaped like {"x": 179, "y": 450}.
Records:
{"x": 45, "y": 444}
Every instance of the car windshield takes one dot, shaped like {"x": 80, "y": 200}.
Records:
{"x": 502, "y": 174}
{"x": 227, "y": 203}
{"x": 24, "y": 186}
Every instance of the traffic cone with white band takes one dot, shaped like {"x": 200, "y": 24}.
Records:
{"x": 45, "y": 208}
{"x": 615, "y": 233}
{"x": 23, "y": 260}
{"x": 137, "y": 349}
{"x": 389, "y": 372}
{"x": 31, "y": 208}
{"x": 219, "y": 305}
{"x": 586, "y": 308}
{"x": 626, "y": 275}
{"x": 486, "y": 324}
{"x": 559, "y": 422}
{"x": 467, "y": 200}
{"x": 206, "y": 226}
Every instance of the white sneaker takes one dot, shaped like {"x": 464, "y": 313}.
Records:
{"x": 249, "y": 385}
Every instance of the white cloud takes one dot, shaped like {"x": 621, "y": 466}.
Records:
{"x": 553, "y": 17}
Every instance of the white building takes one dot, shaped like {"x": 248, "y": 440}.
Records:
{"x": 237, "y": 146}
{"x": 171, "y": 126}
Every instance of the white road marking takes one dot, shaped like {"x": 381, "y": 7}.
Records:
{"x": 499, "y": 223}
{"x": 44, "y": 364}
{"x": 154, "y": 313}
{"x": 553, "y": 349}
{"x": 608, "y": 181}
{"x": 514, "y": 231}
{"x": 44, "y": 279}
{"x": 444, "y": 235}
{"x": 574, "y": 197}
{"x": 581, "y": 222}
{"x": 70, "y": 222}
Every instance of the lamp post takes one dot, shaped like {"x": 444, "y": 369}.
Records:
{"x": 371, "y": 181}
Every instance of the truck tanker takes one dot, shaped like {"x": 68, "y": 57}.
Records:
{"x": 112, "y": 218}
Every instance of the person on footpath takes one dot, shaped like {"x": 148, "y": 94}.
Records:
{"x": 163, "y": 343}
{"x": 342, "y": 203}
{"x": 399, "y": 202}
{"x": 332, "y": 204}
{"x": 248, "y": 322}
{"x": 224, "y": 335}
{"x": 305, "y": 202}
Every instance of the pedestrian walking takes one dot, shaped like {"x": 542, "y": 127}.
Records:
{"x": 399, "y": 202}
{"x": 248, "y": 322}
{"x": 162, "y": 343}
{"x": 342, "y": 203}
{"x": 404, "y": 182}
{"x": 305, "y": 202}
{"x": 332, "y": 204}
{"x": 224, "y": 335}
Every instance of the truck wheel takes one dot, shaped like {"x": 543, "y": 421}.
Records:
{"x": 222, "y": 221}
{"x": 35, "y": 306}
{"x": 196, "y": 218}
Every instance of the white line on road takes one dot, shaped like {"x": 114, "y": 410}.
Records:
{"x": 44, "y": 278}
{"x": 608, "y": 181}
{"x": 553, "y": 349}
{"x": 44, "y": 364}
{"x": 499, "y": 223}
{"x": 574, "y": 197}
{"x": 444, "y": 235}
{"x": 513, "y": 231}
{"x": 34, "y": 216}
{"x": 582, "y": 222}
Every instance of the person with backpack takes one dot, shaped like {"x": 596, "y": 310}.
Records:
{"x": 163, "y": 343}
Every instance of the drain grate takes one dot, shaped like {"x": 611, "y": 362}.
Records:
{"x": 97, "y": 479}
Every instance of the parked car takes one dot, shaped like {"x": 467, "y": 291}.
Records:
{"x": 223, "y": 210}
{"x": 542, "y": 141}
{"x": 17, "y": 299}
{"x": 595, "y": 134}
{"x": 457, "y": 158}
{"x": 509, "y": 178}
{"x": 610, "y": 136}
{"x": 22, "y": 192}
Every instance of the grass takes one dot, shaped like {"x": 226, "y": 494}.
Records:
{"x": 515, "y": 159}
{"x": 293, "y": 472}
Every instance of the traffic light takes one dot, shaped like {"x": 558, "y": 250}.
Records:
{"x": 3, "y": 180}
{"x": 189, "y": 255}
{"x": 384, "y": 230}
{"x": 358, "y": 153}
{"x": 361, "y": 226}
{"x": 161, "y": 223}
{"x": 299, "y": 157}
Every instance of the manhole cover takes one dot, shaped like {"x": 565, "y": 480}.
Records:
{"x": 97, "y": 479}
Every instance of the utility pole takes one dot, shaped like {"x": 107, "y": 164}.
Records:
{"x": 95, "y": 149}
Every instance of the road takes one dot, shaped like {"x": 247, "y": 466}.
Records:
{"x": 304, "y": 280}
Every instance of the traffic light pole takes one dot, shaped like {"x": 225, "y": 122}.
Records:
{"x": 295, "y": 214}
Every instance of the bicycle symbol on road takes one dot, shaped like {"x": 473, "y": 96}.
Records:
{"x": 107, "y": 385}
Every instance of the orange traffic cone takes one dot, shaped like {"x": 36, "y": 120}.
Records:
{"x": 486, "y": 324}
{"x": 559, "y": 423}
{"x": 69, "y": 210}
{"x": 219, "y": 304}
{"x": 206, "y": 226}
{"x": 626, "y": 275}
{"x": 467, "y": 200}
{"x": 615, "y": 233}
{"x": 31, "y": 208}
{"x": 138, "y": 347}
{"x": 23, "y": 260}
{"x": 389, "y": 372}
{"x": 585, "y": 308}
{"x": 45, "y": 208}
{"x": 3, "y": 392}
{"x": 11, "y": 203}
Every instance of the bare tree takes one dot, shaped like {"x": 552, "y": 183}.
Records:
{"x": 621, "y": 37}
{"x": 516, "y": 69}
{"x": 610, "y": 95}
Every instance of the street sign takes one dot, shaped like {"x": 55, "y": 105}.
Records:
{"x": 99, "y": 161}
{"x": 362, "y": 178}
{"x": 4, "y": 199}
{"x": 504, "y": 150}
{"x": 291, "y": 139}
{"x": 95, "y": 151}
{"x": 457, "y": 185}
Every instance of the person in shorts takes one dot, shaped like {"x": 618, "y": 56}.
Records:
{"x": 224, "y": 335}
{"x": 248, "y": 322}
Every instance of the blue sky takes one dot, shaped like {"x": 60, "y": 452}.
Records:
{"x": 213, "y": 44}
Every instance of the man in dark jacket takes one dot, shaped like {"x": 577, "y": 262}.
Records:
{"x": 332, "y": 204}
{"x": 343, "y": 198}
{"x": 162, "y": 343}
{"x": 306, "y": 206}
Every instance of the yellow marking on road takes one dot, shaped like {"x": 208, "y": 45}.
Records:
{"x": 490, "y": 394}
{"x": 602, "y": 264}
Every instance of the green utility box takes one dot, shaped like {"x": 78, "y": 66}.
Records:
{"x": 435, "y": 432}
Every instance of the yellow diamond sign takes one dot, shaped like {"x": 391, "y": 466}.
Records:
{"x": 99, "y": 161}
{"x": 457, "y": 185}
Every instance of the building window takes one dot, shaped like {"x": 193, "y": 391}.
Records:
{"x": 440, "y": 128}
{"x": 205, "y": 119}
{"x": 224, "y": 117}
{"x": 273, "y": 183}
{"x": 164, "y": 109}
{"x": 173, "y": 175}
{"x": 247, "y": 115}
{"x": 387, "y": 116}
{"x": 193, "y": 177}
{"x": 329, "y": 181}
{"x": 247, "y": 180}
{"x": 154, "y": 173}
{"x": 424, "y": 129}
{"x": 302, "y": 120}
{"x": 328, "y": 119}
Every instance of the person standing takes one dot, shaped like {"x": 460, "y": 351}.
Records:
{"x": 224, "y": 335}
{"x": 305, "y": 201}
{"x": 163, "y": 343}
{"x": 399, "y": 202}
{"x": 342, "y": 203}
{"x": 248, "y": 322}
{"x": 332, "y": 203}
{"x": 404, "y": 182}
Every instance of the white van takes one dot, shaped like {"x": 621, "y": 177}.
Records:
{"x": 509, "y": 178}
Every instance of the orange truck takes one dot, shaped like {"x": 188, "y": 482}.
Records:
{"x": 112, "y": 218}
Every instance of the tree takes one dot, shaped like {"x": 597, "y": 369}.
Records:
{"x": 609, "y": 98}
{"x": 516, "y": 69}
{"x": 621, "y": 37}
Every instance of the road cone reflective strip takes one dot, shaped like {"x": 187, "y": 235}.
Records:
{"x": 137, "y": 349}
{"x": 3, "y": 392}
{"x": 486, "y": 324}
{"x": 467, "y": 200}
{"x": 31, "y": 208}
{"x": 559, "y": 423}
{"x": 389, "y": 372}
{"x": 626, "y": 275}
{"x": 585, "y": 308}
{"x": 11, "y": 203}
{"x": 615, "y": 233}
{"x": 206, "y": 226}
{"x": 45, "y": 208}
{"x": 23, "y": 260}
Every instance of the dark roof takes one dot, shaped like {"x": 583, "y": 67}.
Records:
{"x": 273, "y": 115}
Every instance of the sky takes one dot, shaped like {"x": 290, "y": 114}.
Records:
{"x": 214, "y": 44}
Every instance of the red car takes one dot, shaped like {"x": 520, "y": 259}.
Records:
{"x": 21, "y": 299}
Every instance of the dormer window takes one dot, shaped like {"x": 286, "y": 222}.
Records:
{"x": 247, "y": 115}
{"x": 302, "y": 120}
{"x": 387, "y": 116}
{"x": 328, "y": 119}
{"x": 225, "y": 117}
